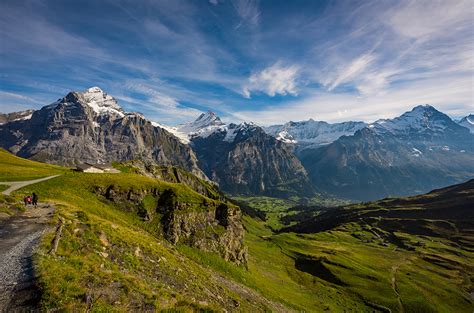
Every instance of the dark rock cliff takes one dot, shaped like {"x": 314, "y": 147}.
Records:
{"x": 211, "y": 226}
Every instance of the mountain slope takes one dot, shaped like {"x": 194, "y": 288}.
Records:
{"x": 90, "y": 127}
{"x": 15, "y": 116}
{"x": 401, "y": 254}
{"x": 243, "y": 159}
{"x": 416, "y": 152}
{"x": 468, "y": 122}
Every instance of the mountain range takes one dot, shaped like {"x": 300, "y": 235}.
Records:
{"x": 413, "y": 153}
{"x": 311, "y": 133}
{"x": 410, "y": 154}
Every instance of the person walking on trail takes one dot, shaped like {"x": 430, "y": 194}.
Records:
{"x": 34, "y": 199}
{"x": 25, "y": 199}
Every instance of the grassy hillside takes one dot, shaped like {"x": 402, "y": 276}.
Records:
{"x": 111, "y": 259}
{"x": 413, "y": 254}
{"x": 14, "y": 168}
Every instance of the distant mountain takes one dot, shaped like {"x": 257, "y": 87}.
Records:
{"x": 204, "y": 125}
{"x": 468, "y": 122}
{"x": 243, "y": 159}
{"x": 416, "y": 215}
{"x": 15, "y": 116}
{"x": 91, "y": 127}
{"x": 414, "y": 153}
{"x": 311, "y": 134}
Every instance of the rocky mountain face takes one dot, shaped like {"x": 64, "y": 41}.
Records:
{"x": 212, "y": 226}
{"x": 421, "y": 150}
{"x": 243, "y": 159}
{"x": 311, "y": 133}
{"x": 90, "y": 127}
{"x": 468, "y": 122}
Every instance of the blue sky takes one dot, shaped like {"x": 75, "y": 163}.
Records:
{"x": 262, "y": 61}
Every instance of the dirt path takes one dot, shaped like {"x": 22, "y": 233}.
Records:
{"x": 15, "y": 185}
{"x": 394, "y": 282}
{"x": 19, "y": 235}
{"x": 252, "y": 295}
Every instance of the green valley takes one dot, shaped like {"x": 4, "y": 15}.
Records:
{"x": 116, "y": 253}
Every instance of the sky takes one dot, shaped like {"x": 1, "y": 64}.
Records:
{"x": 268, "y": 62}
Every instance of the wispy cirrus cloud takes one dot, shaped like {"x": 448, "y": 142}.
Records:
{"x": 248, "y": 11}
{"x": 354, "y": 68}
{"x": 172, "y": 59}
{"x": 339, "y": 107}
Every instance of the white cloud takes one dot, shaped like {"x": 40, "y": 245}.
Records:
{"x": 351, "y": 71}
{"x": 276, "y": 79}
{"x": 248, "y": 11}
{"x": 427, "y": 18}
{"x": 154, "y": 95}
{"x": 332, "y": 107}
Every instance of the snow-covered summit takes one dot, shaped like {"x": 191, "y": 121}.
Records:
{"x": 468, "y": 122}
{"x": 206, "y": 125}
{"x": 312, "y": 133}
{"x": 101, "y": 102}
{"x": 419, "y": 119}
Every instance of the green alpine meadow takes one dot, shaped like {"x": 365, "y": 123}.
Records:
{"x": 236, "y": 156}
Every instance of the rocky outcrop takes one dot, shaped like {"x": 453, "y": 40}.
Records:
{"x": 217, "y": 229}
{"x": 90, "y": 127}
{"x": 174, "y": 175}
{"x": 211, "y": 226}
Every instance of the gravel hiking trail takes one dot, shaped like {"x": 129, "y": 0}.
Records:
{"x": 15, "y": 185}
{"x": 19, "y": 236}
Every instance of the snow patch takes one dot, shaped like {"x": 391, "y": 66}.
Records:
{"x": 101, "y": 102}
{"x": 312, "y": 133}
{"x": 416, "y": 152}
{"x": 173, "y": 130}
{"x": 23, "y": 118}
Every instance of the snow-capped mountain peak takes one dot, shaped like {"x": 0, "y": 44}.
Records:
{"x": 203, "y": 126}
{"x": 207, "y": 119}
{"x": 101, "y": 102}
{"x": 206, "y": 123}
{"x": 468, "y": 122}
{"x": 312, "y": 133}
{"x": 420, "y": 118}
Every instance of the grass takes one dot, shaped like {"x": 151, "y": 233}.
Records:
{"x": 110, "y": 259}
{"x": 351, "y": 266}
{"x": 108, "y": 256}
{"x": 13, "y": 168}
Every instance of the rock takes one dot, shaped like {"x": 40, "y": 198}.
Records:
{"x": 243, "y": 159}
{"x": 103, "y": 254}
{"x": 90, "y": 127}
{"x": 103, "y": 239}
{"x": 137, "y": 251}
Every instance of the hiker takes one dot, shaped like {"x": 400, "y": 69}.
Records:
{"x": 35, "y": 199}
{"x": 28, "y": 200}
{"x": 25, "y": 199}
